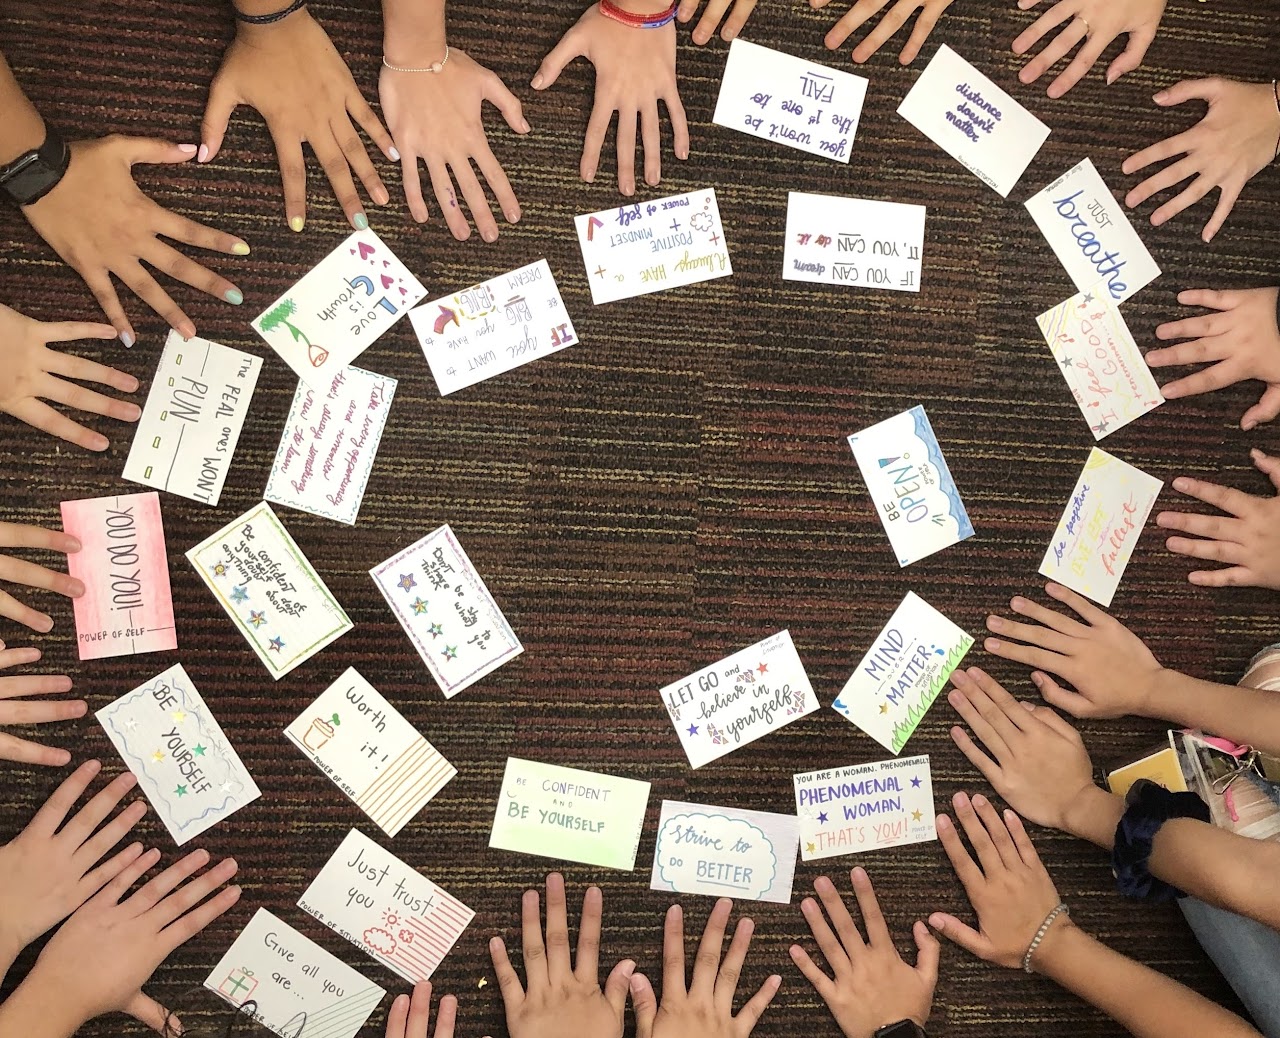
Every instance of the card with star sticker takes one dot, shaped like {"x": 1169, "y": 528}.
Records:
{"x": 272, "y": 593}
{"x": 339, "y": 309}
{"x": 902, "y": 673}
{"x": 1100, "y": 526}
{"x": 183, "y": 761}
{"x": 865, "y": 807}
{"x": 739, "y": 699}
{"x": 329, "y": 444}
{"x": 648, "y": 247}
{"x": 370, "y": 751}
{"x": 446, "y": 610}
{"x": 1102, "y": 364}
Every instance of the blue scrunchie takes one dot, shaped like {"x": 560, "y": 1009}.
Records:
{"x": 1149, "y": 806}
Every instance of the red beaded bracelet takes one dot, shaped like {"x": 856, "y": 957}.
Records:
{"x": 638, "y": 21}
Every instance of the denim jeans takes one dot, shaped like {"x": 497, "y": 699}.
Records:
{"x": 1246, "y": 953}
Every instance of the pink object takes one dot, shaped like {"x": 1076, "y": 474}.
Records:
{"x": 127, "y": 607}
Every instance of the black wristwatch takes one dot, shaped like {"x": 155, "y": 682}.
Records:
{"x": 902, "y": 1029}
{"x": 35, "y": 173}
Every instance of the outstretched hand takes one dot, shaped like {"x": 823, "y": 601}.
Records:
{"x": 1092, "y": 25}
{"x": 929, "y": 11}
{"x": 711, "y": 16}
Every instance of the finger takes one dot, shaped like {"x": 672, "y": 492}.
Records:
{"x": 151, "y": 893}
{"x": 293, "y": 175}
{"x": 558, "y": 966}
{"x": 217, "y": 113}
{"x": 150, "y": 1013}
{"x": 679, "y": 123}
{"x": 1211, "y": 299}
{"x": 1265, "y": 410}
{"x": 711, "y": 16}
{"x": 1048, "y": 617}
{"x": 673, "y": 978}
{"x": 1213, "y": 551}
{"x": 1081, "y": 64}
{"x": 508, "y": 980}
{"x": 465, "y": 178}
{"x": 348, "y": 139}
{"x": 85, "y": 821}
{"x": 1179, "y": 144}
{"x": 823, "y": 984}
{"x": 1165, "y": 178}
{"x": 20, "y": 712}
{"x": 1018, "y": 832}
{"x": 1054, "y": 51}
{"x": 1031, "y": 35}
{"x": 1187, "y": 90}
{"x": 1208, "y": 345}
{"x": 998, "y": 833}
{"x": 10, "y": 687}
{"x": 979, "y": 839}
{"x": 338, "y": 172}
{"x": 928, "y": 952}
{"x": 73, "y": 331}
{"x": 1032, "y": 634}
{"x": 1227, "y": 196}
{"x": 643, "y": 1001}
{"x": 192, "y": 893}
{"x": 178, "y": 933}
{"x": 958, "y": 933}
{"x": 398, "y": 1017}
{"x": 447, "y": 199}
{"x": 706, "y": 963}
{"x": 96, "y": 879}
{"x": 626, "y": 148}
{"x": 835, "y": 954}
{"x": 68, "y": 365}
{"x": 925, "y": 22}
{"x": 40, "y": 415}
{"x": 446, "y": 1019}
{"x": 53, "y": 813}
{"x": 1267, "y": 465}
{"x": 970, "y": 876}
{"x": 18, "y": 535}
{"x": 25, "y": 615}
{"x": 81, "y": 399}
{"x": 411, "y": 179}
{"x": 750, "y": 1014}
{"x": 1226, "y": 499}
{"x": 616, "y": 986}
{"x": 1072, "y": 702}
{"x": 989, "y": 769}
{"x": 144, "y": 286}
{"x": 1236, "y": 576}
{"x": 99, "y": 282}
{"x": 560, "y": 55}
{"x": 737, "y": 19}
{"x": 964, "y": 699}
{"x": 885, "y": 29}
{"x": 869, "y": 905}
{"x": 593, "y": 140}
{"x": 1131, "y": 57}
{"x": 587, "y": 959}
{"x": 857, "y": 16}
{"x": 1189, "y": 196}
{"x": 535, "y": 954}
{"x": 499, "y": 185}
{"x": 359, "y": 109}
{"x": 684, "y": 12}
{"x": 500, "y": 96}
{"x": 153, "y": 151}
{"x": 118, "y": 887}
{"x": 651, "y": 137}
{"x": 1214, "y": 527}
{"x": 97, "y": 846}
{"x": 1040, "y": 659}
{"x": 731, "y": 969}
{"x": 838, "y": 912}
{"x": 23, "y": 751}
{"x": 1216, "y": 377}
{"x": 179, "y": 228}
{"x": 19, "y": 571}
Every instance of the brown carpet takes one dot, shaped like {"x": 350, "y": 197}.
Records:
{"x": 670, "y": 490}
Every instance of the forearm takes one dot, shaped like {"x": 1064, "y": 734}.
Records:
{"x": 413, "y": 31}
{"x": 35, "y": 1013}
{"x": 1190, "y": 854}
{"x": 1248, "y": 716}
{"x": 1145, "y": 1002}
{"x": 21, "y": 127}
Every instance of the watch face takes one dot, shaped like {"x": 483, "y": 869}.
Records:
{"x": 902, "y": 1029}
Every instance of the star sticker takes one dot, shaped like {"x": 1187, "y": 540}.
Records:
{"x": 915, "y": 816}
{"x": 915, "y": 782}
{"x": 406, "y": 581}
{"x": 419, "y": 607}
{"x": 884, "y": 708}
{"x": 158, "y": 756}
{"x": 823, "y": 818}
{"x": 763, "y": 668}
{"x": 256, "y": 618}
{"x": 1087, "y": 299}
{"x": 198, "y": 750}
{"x": 219, "y": 570}
{"x": 1066, "y": 362}
{"x": 435, "y": 630}
{"x": 181, "y": 791}
{"x": 239, "y": 594}
{"x": 809, "y": 848}
{"x": 1102, "y": 426}
{"x": 130, "y": 725}
{"x": 693, "y": 729}
{"x": 451, "y": 652}
{"x": 179, "y": 716}
{"x": 276, "y": 644}
{"x": 226, "y": 787}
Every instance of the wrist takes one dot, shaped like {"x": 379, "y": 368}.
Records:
{"x": 40, "y": 1010}
{"x": 642, "y": 6}
{"x": 1150, "y": 692}
{"x": 1092, "y": 815}
{"x": 255, "y": 17}
{"x": 1063, "y": 940}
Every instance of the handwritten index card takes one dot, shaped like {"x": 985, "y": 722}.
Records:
{"x": 853, "y": 241}
{"x": 865, "y": 807}
{"x": 801, "y": 104}
{"x": 192, "y": 420}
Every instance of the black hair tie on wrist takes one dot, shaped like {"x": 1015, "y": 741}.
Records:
{"x": 1149, "y": 806}
{"x": 268, "y": 19}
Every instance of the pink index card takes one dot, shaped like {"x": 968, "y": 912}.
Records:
{"x": 127, "y": 606}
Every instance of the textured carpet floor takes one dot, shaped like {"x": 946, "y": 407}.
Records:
{"x": 670, "y": 490}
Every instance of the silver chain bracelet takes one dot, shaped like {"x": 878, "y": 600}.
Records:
{"x": 1062, "y": 909}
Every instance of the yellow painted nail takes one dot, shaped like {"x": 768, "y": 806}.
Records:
{"x": 241, "y": 249}
{"x": 296, "y": 223}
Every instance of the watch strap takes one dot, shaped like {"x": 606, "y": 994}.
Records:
{"x": 902, "y": 1029}
{"x": 35, "y": 173}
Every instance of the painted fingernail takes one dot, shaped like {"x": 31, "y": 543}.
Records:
{"x": 240, "y": 248}
{"x": 128, "y": 339}
{"x": 296, "y": 223}
{"x": 360, "y": 221}
{"x": 233, "y": 296}
{"x": 187, "y": 149}
{"x": 393, "y": 154}
{"x": 203, "y": 154}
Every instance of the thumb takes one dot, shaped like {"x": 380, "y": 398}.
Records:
{"x": 217, "y": 113}
{"x": 507, "y": 103}
{"x": 1263, "y": 411}
{"x": 929, "y": 950}
{"x": 1131, "y": 57}
{"x": 553, "y": 64}
{"x": 152, "y": 151}
{"x": 147, "y": 1010}
{"x": 1055, "y": 695}
{"x": 958, "y": 933}
{"x": 645, "y": 1004}
{"x": 1267, "y": 465}
{"x": 616, "y": 987}
{"x": 1184, "y": 91}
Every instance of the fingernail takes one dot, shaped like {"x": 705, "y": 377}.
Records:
{"x": 490, "y": 236}
{"x": 381, "y": 197}
{"x": 233, "y": 296}
{"x": 203, "y": 154}
{"x": 537, "y": 81}
{"x": 590, "y": 178}
{"x": 513, "y": 216}
{"x": 524, "y": 126}
{"x": 240, "y": 248}
{"x": 393, "y": 153}
{"x": 296, "y": 223}
{"x": 682, "y": 153}
{"x": 75, "y": 544}
{"x": 979, "y": 800}
{"x": 128, "y": 339}
{"x": 992, "y": 644}
{"x": 187, "y": 149}
{"x": 360, "y": 222}
{"x": 1158, "y": 96}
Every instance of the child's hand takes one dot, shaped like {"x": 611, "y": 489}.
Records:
{"x": 99, "y": 959}
{"x": 14, "y": 709}
{"x": 34, "y": 373}
{"x": 1008, "y": 888}
{"x": 291, "y": 73}
{"x": 635, "y": 69}
{"x": 705, "y": 1008}
{"x": 1248, "y": 542}
{"x": 1235, "y": 140}
{"x": 49, "y": 869}
{"x": 1034, "y": 759}
{"x": 410, "y": 1017}
{"x": 1241, "y": 341}
{"x": 896, "y": 17}
{"x": 711, "y": 18}
{"x": 561, "y": 999}
{"x": 872, "y": 987}
{"x": 1095, "y": 23}
{"x": 438, "y": 117}
{"x": 19, "y": 572}
{"x": 1113, "y": 671}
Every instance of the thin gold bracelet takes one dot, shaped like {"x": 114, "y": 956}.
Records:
{"x": 436, "y": 67}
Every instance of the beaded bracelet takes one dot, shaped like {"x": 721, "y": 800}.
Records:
{"x": 435, "y": 66}
{"x": 638, "y": 21}
{"x": 268, "y": 19}
{"x": 1062, "y": 909}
